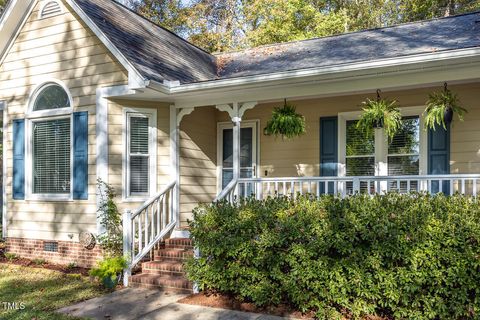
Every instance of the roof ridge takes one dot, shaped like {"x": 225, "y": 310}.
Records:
{"x": 161, "y": 27}
{"x": 271, "y": 45}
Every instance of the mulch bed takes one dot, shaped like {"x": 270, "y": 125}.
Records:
{"x": 55, "y": 267}
{"x": 216, "y": 300}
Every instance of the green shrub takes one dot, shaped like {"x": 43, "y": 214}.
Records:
{"x": 108, "y": 271}
{"x": 11, "y": 256}
{"x": 407, "y": 256}
{"x": 39, "y": 261}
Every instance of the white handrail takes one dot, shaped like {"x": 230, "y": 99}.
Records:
{"x": 228, "y": 192}
{"x": 147, "y": 226}
{"x": 292, "y": 186}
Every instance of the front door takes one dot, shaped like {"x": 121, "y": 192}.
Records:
{"x": 248, "y": 152}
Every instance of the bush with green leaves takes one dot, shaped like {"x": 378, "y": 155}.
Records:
{"x": 108, "y": 270}
{"x": 111, "y": 240}
{"x": 411, "y": 256}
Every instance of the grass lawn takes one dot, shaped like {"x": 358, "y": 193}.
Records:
{"x": 41, "y": 291}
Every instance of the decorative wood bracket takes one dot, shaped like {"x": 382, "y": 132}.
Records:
{"x": 236, "y": 111}
{"x": 183, "y": 112}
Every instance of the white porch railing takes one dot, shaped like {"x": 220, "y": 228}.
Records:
{"x": 468, "y": 184}
{"x": 147, "y": 226}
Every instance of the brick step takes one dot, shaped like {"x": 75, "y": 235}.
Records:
{"x": 166, "y": 283}
{"x": 164, "y": 266}
{"x": 179, "y": 243}
{"x": 178, "y": 254}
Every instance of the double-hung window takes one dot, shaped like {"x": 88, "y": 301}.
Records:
{"x": 140, "y": 154}
{"x": 49, "y": 173}
{"x": 375, "y": 155}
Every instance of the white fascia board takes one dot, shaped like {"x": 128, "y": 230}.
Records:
{"x": 135, "y": 79}
{"x": 344, "y": 69}
{"x": 11, "y": 22}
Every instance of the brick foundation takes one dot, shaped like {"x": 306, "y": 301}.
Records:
{"x": 68, "y": 251}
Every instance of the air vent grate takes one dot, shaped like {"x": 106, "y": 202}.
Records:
{"x": 50, "y": 9}
{"x": 50, "y": 246}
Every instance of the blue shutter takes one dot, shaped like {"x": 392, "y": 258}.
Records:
{"x": 328, "y": 150}
{"x": 18, "y": 159}
{"x": 439, "y": 156}
{"x": 80, "y": 155}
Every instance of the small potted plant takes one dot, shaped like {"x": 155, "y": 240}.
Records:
{"x": 285, "y": 122}
{"x": 441, "y": 106}
{"x": 380, "y": 113}
{"x": 109, "y": 271}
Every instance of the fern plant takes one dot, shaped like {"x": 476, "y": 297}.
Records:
{"x": 380, "y": 113}
{"x": 440, "y": 109}
{"x": 286, "y": 122}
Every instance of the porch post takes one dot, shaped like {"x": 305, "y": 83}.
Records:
{"x": 236, "y": 142}
{"x": 175, "y": 162}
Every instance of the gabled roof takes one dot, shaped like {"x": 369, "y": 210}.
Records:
{"x": 159, "y": 55}
{"x": 445, "y": 34}
{"x": 155, "y": 52}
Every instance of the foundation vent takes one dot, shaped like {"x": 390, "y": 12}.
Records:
{"x": 50, "y": 246}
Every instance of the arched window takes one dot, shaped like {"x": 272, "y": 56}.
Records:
{"x": 51, "y": 96}
{"x": 50, "y": 131}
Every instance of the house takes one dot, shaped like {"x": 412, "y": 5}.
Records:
{"x": 90, "y": 90}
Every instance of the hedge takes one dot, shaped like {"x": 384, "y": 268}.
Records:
{"x": 411, "y": 256}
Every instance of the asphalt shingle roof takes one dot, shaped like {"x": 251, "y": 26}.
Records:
{"x": 398, "y": 41}
{"x": 155, "y": 52}
{"x": 161, "y": 55}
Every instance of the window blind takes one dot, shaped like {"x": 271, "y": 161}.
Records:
{"x": 51, "y": 157}
{"x": 360, "y": 151}
{"x": 139, "y": 155}
{"x": 404, "y": 149}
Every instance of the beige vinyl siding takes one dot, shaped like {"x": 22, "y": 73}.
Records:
{"x": 116, "y": 126}
{"x": 300, "y": 156}
{"x": 198, "y": 160}
{"x": 62, "y": 48}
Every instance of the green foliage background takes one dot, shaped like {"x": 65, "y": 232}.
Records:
{"x": 222, "y": 25}
{"x": 404, "y": 256}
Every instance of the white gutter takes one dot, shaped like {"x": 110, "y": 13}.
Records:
{"x": 321, "y": 71}
{"x": 3, "y": 107}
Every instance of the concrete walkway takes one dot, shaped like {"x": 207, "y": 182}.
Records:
{"x": 136, "y": 303}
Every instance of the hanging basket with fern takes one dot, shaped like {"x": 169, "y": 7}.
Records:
{"x": 441, "y": 106}
{"x": 380, "y": 113}
{"x": 285, "y": 122}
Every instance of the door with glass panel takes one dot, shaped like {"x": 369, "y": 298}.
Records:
{"x": 248, "y": 154}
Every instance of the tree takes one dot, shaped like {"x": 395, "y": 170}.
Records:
{"x": 170, "y": 14}
{"x": 3, "y": 3}
{"x": 220, "y": 25}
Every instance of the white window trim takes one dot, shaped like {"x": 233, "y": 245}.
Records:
{"x": 52, "y": 112}
{"x": 151, "y": 114}
{"x": 381, "y": 144}
{"x": 255, "y": 124}
{"x": 29, "y": 195}
{"x": 45, "y": 115}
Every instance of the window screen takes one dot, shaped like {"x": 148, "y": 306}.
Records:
{"x": 51, "y": 157}
{"x": 139, "y": 155}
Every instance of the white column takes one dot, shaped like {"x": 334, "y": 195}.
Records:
{"x": 236, "y": 142}
{"x": 175, "y": 162}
